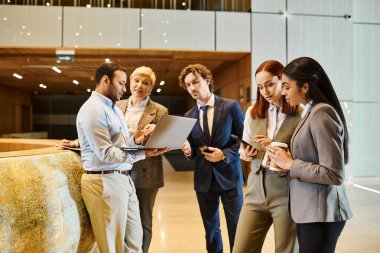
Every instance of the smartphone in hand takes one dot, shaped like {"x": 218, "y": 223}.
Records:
{"x": 205, "y": 149}
{"x": 244, "y": 143}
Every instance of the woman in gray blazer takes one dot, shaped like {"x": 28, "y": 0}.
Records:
{"x": 319, "y": 152}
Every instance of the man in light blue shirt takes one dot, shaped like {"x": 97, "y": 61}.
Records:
{"x": 107, "y": 189}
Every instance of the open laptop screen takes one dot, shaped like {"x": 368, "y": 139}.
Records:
{"x": 170, "y": 132}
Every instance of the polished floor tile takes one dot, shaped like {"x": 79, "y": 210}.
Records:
{"x": 177, "y": 225}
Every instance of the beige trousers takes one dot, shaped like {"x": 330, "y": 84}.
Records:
{"x": 114, "y": 212}
{"x": 265, "y": 203}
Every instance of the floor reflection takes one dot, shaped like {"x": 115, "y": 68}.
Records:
{"x": 177, "y": 225}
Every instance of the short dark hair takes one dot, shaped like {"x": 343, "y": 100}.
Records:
{"x": 261, "y": 105}
{"x": 199, "y": 69}
{"x": 307, "y": 70}
{"x": 108, "y": 69}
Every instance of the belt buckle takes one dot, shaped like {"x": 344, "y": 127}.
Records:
{"x": 122, "y": 172}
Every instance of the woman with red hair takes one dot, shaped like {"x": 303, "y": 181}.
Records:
{"x": 270, "y": 119}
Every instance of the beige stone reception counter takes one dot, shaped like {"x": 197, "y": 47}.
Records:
{"x": 41, "y": 207}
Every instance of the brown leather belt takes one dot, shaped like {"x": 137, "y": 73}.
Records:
{"x": 102, "y": 172}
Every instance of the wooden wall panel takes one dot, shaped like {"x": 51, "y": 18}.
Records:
{"x": 235, "y": 81}
{"x": 11, "y": 116}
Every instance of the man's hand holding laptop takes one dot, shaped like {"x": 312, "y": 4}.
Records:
{"x": 155, "y": 152}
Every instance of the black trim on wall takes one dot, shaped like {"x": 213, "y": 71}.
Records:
{"x": 364, "y": 23}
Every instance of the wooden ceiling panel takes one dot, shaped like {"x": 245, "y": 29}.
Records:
{"x": 35, "y": 65}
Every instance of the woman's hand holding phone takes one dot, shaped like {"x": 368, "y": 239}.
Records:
{"x": 250, "y": 151}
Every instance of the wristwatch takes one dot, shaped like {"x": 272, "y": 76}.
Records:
{"x": 224, "y": 158}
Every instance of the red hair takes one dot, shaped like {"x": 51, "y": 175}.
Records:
{"x": 261, "y": 106}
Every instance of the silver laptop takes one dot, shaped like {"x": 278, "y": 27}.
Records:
{"x": 170, "y": 132}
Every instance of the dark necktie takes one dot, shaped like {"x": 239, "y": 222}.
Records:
{"x": 206, "y": 129}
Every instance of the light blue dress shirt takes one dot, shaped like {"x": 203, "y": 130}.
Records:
{"x": 102, "y": 131}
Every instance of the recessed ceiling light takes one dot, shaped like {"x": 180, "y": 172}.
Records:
{"x": 165, "y": 41}
{"x": 23, "y": 27}
{"x": 88, "y": 5}
{"x": 100, "y": 34}
{"x": 17, "y": 76}
{"x": 158, "y": 90}
{"x": 76, "y": 34}
{"x": 75, "y": 82}
{"x": 80, "y": 26}
{"x": 162, "y": 83}
{"x": 57, "y": 69}
{"x": 5, "y": 18}
{"x": 118, "y": 44}
{"x": 47, "y": 4}
{"x": 88, "y": 90}
{"x": 29, "y": 34}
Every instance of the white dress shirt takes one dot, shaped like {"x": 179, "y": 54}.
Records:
{"x": 133, "y": 114}
{"x": 210, "y": 113}
{"x": 274, "y": 121}
{"x": 306, "y": 108}
{"x": 102, "y": 131}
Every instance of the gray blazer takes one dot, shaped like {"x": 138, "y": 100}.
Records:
{"x": 147, "y": 173}
{"x": 317, "y": 193}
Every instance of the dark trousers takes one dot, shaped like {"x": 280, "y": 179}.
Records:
{"x": 146, "y": 197}
{"x": 319, "y": 237}
{"x": 232, "y": 201}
